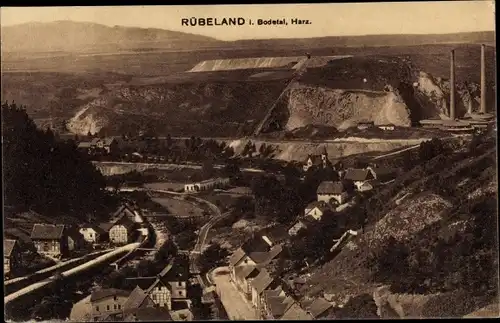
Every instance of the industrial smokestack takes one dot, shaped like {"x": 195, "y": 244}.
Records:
{"x": 452, "y": 86}
{"x": 483, "y": 80}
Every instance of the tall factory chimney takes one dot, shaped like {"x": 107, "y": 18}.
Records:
{"x": 483, "y": 80}
{"x": 452, "y": 86}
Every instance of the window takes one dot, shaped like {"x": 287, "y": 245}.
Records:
{"x": 179, "y": 283}
{"x": 114, "y": 306}
{"x": 46, "y": 246}
{"x": 97, "y": 308}
{"x": 180, "y": 293}
{"x": 119, "y": 307}
{"x": 107, "y": 307}
{"x": 114, "y": 298}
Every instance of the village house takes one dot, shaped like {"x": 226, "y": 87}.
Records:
{"x": 301, "y": 223}
{"x": 386, "y": 127}
{"x": 123, "y": 231}
{"x": 107, "y": 303}
{"x": 313, "y": 212}
{"x": 108, "y": 144}
{"x": 207, "y": 185}
{"x": 11, "y": 256}
{"x": 93, "y": 233}
{"x": 296, "y": 313}
{"x": 137, "y": 300}
{"x": 262, "y": 282}
{"x": 275, "y": 302}
{"x": 148, "y": 314}
{"x": 360, "y": 177}
{"x": 169, "y": 288}
{"x": 332, "y": 192}
{"x": 317, "y": 209}
{"x": 126, "y": 210}
{"x": 247, "y": 261}
{"x": 319, "y": 161}
{"x": 52, "y": 240}
{"x": 365, "y": 125}
{"x": 317, "y": 308}
{"x": 382, "y": 174}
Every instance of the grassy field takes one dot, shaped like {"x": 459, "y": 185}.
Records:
{"x": 179, "y": 208}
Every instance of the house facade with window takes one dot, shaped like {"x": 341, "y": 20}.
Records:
{"x": 169, "y": 289}
{"x": 50, "y": 239}
{"x": 329, "y": 191}
{"x": 92, "y": 233}
{"x": 123, "y": 231}
{"x": 106, "y": 302}
{"x": 11, "y": 255}
{"x": 361, "y": 178}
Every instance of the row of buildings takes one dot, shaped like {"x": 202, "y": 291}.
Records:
{"x": 255, "y": 270}
{"x": 59, "y": 240}
{"x": 153, "y": 298}
{"x": 206, "y": 185}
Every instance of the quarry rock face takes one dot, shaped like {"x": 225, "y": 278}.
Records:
{"x": 344, "y": 108}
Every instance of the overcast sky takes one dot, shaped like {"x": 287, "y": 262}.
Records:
{"x": 327, "y": 19}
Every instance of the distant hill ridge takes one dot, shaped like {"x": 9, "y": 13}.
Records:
{"x": 374, "y": 40}
{"x": 71, "y": 36}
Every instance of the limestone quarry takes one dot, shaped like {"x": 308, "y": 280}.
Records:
{"x": 231, "y": 97}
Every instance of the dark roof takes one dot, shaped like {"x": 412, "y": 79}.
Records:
{"x": 108, "y": 292}
{"x": 18, "y": 234}
{"x": 236, "y": 256}
{"x": 122, "y": 212}
{"x": 262, "y": 281}
{"x": 276, "y": 305}
{"x": 365, "y": 123}
{"x": 316, "y": 159}
{"x": 144, "y": 282}
{"x": 96, "y": 228}
{"x": 318, "y": 307}
{"x": 329, "y": 187}
{"x": 149, "y": 314}
{"x": 47, "y": 231}
{"x": 295, "y": 312}
{"x": 379, "y": 172}
{"x": 105, "y": 226}
{"x": 272, "y": 292}
{"x": 8, "y": 247}
{"x": 255, "y": 244}
{"x": 273, "y": 253}
{"x": 126, "y": 222}
{"x": 135, "y": 299}
{"x": 243, "y": 272}
{"x": 275, "y": 234}
{"x": 258, "y": 256}
{"x": 354, "y": 174}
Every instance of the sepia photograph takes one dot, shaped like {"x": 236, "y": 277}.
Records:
{"x": 319, "y": 161}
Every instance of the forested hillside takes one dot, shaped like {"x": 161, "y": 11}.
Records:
{"x": 45, "y": 174}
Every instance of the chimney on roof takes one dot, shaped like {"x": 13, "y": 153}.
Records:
{"x": 483, "y": 80}
{"x": 452, "y": 85}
